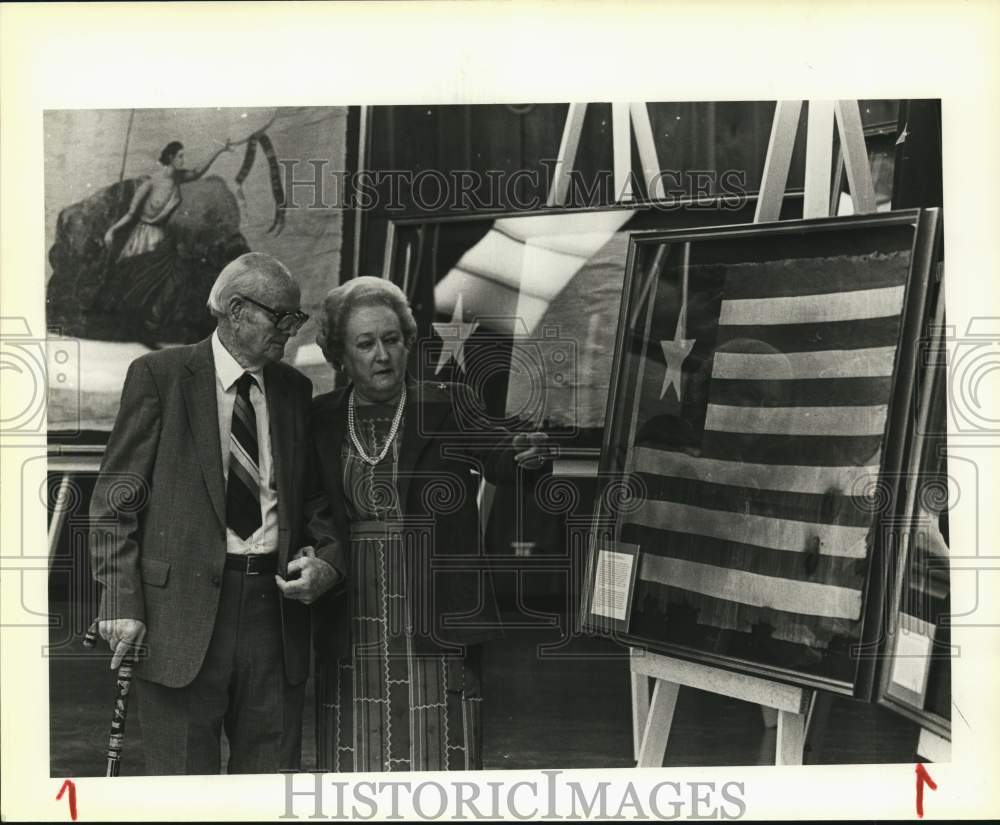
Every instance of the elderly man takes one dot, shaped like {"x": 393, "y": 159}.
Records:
{"x": 205, "y": 538}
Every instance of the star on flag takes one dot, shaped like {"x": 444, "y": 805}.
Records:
{"x": 675, "y": 352}
{"x": 453, "y": 335}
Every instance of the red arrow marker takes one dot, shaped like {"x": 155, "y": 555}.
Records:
{"x": 71, "y": 787}
{"x": 923, "y": 778}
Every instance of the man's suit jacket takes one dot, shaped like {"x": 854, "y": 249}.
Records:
{"x": 158, "y": 513}
{"x": 446, "y": 434}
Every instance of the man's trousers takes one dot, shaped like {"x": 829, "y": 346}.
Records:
{"x": 241, "y": 688}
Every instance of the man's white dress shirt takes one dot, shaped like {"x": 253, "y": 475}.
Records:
{"x": 227, "y": 373}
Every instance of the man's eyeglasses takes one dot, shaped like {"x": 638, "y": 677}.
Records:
{"x": 286, "y": 322}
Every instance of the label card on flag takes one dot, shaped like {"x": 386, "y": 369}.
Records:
{"x": 614, "y": 580}
{"x": 911, "y": 661}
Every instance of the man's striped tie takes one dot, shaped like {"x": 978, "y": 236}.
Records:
{"x": 243, "y": 488}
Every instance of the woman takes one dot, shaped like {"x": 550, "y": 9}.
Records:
{"x": 144, "y": 288}
{"x": 399, "y": 673}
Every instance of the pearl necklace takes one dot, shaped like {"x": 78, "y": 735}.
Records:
{"x": 389, "y": 439}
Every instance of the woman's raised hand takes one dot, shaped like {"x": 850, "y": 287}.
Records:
{"x": 533, "y": 449}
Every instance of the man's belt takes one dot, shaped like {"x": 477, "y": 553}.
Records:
{"x": 253, "y": 564}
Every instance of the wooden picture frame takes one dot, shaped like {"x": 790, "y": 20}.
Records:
{"x": 748, "y": 556}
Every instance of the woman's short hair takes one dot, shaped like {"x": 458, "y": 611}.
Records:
{"x": 363, "y": 291}
{"x": 170, "y": 152}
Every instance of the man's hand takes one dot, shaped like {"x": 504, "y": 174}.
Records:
{"x": 121, "y": 635}
{"x": 534, "y": 449}
{"x": 314, "y": 577}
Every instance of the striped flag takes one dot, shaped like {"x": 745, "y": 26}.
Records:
{"x": 754, "y": 508}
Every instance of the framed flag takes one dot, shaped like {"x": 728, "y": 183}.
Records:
{"x": 917, "y": 681}
{"x": 758, "y": 424}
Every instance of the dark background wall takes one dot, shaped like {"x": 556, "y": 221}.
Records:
{"x": 690, "y": 137}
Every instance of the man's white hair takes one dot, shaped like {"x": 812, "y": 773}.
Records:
{"x": 250, "y": 274}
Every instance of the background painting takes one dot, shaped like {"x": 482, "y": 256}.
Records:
{"x": 95, "y": 159}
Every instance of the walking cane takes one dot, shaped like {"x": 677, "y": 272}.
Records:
{"x": 123, "y": 682}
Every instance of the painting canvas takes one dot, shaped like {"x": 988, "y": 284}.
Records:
{"x": 761, "y": 375}
{"x": 144, "y": 207}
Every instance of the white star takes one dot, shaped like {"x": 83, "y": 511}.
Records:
{"x": 675, "y": 352}
{"x": 453, "y": 335}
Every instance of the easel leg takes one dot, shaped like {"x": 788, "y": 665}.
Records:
{"x": 621, "y": 140}
{"x": 658, "y": 722}
{"x": 640, "y": 710}
{"x": 791, "y": 738}
{"x": 643, "y": 130}
{"x": 819, "y": 158}
{"x": 778, "y": 160}
{"x": 568, "y": 147}
{"x": 816, "y": 724}
{"x": 770, "y": 716}
{"x": 856, "y": 163}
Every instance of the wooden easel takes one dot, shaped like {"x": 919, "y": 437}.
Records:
{"x": 652, "y": 719}
{"x": 624, "y": 117}
{"x": 789, "y": 708}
